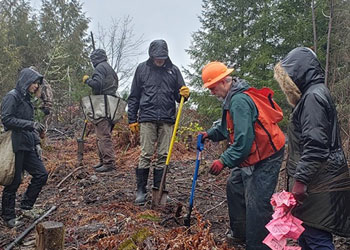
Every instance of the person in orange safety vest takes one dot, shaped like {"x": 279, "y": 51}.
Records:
{"x": 255, "y": 153}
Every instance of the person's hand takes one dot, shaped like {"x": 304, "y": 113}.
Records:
{"x": 39, "y": 127}
{"x": 216, "y": 167}
{"x": 204, "y": 136}
{"x": 85, "y": 77}
{"x": 185, "y": 91}
{"x": 134, "y": 127}
{"x": 39, "y": 151}
{"x": 299, "y": 191}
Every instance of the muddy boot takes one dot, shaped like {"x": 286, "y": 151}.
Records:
{"x": 157, "y": 177}
{"x": 98, "y": 165}
{"x": 141, "y": 178}
{"x": 104, "y": 168}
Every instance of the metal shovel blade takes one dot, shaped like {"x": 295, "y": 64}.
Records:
{"x": 159, "y": 198}
{"x": 160, "y": 195}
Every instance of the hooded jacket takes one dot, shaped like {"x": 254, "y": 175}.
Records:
{"x": 155, "y": 89}
{"x": 104, "y": 80}
{"x": 17, "y": 112}
{"x": 316, "y": 157}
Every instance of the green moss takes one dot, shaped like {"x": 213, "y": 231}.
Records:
{"x": 136, "y": 238}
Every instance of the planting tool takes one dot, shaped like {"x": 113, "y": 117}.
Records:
{"x": 200, "y": 147}
{"x": 159, "y": 196}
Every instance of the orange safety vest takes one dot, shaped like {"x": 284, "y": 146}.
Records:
{"x": 269, "y": 138}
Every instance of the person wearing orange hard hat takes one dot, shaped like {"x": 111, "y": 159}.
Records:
{"x": 249, "y": 122}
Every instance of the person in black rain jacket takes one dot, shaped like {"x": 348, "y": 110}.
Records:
{"x": 17, "y": 113}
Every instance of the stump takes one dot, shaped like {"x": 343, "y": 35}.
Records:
{"x": 50, "y": 236}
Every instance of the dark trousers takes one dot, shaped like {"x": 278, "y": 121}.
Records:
{"x": 29, "y": 161}
{"x": 315, "y": 239}
{"x": 249, "y": 191}
{"x": 106, "y": 153}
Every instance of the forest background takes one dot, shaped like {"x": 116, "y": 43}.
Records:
{"x": 250, "y": 36}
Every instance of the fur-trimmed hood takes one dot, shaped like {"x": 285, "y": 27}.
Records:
{"x": 297, "y": 72}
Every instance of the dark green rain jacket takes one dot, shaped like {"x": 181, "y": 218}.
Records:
{"x": 244, "y": 114}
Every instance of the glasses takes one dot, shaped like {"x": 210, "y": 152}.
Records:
{"x": 217, "y": 84}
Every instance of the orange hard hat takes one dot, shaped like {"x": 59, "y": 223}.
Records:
{"x": 214, "y": 72}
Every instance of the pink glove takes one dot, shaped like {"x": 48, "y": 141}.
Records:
{"x": 299, "y": 191}
{"x": 216, "y": 167}
{"x": 204, "y": 136}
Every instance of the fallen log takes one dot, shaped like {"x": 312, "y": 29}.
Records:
{"x": 25, "y": 232}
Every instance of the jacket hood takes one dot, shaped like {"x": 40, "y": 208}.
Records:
{"x": 97, "y": 56}
{"x": 158, "y": 49}
{"x": 238, "y": 85}
{"x": 26, "y": 77}
{"x": 303, "y": 67}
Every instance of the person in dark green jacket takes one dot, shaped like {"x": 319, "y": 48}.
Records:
{"x": 250, "y": 187}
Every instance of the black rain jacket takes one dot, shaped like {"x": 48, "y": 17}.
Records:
{"x": 316, "y": 156}
{"x": 17, "y": 112}
{"x": 155, "y": 89}
{"x": 104, "y": 80}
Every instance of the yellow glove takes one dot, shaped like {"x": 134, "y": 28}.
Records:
{"x": 85, "y": 77}
{"x": 134, "y": 127}
{"x": 185, "y": 91}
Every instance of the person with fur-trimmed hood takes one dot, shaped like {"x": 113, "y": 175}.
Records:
{"x": 317, "y": 167}
{"x": 156, "y": 87}
{"x": 17, "y": 115}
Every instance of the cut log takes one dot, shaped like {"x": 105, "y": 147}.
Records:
{"x": 50, "y": 236}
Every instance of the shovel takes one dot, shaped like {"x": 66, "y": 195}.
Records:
{"x": 159, "y": 196}
{"x": 200, "y": 147}
{"x": 80, "y": 141}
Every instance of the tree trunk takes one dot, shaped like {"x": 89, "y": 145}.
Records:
{"x": 314, "y": 25}
{"x": 50, "y": 236}
{"x": 331, "y": 5}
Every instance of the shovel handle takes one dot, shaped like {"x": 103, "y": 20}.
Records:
{"x": 162, "y": 182}
{"x": 177, "y": 121}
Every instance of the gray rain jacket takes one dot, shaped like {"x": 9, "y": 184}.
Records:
{"x": 104, "y": 80}
{"x": 17, "y": 112}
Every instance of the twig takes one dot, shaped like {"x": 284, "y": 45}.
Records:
{"x": 218, "y": 205}
{"x": 204, "y": 191}
{"x": 65, "y": 178}
{"x": 211, "y": 184}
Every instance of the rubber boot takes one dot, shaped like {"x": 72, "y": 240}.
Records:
{"x": 157, "y": 177}
{"x": 141, "y": 179}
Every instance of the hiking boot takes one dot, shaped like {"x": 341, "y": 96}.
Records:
{"x": 13, "y": 223}
{"x": 98, "y": 165}
{"x": 104, "y": 168}
{"x": 33, "y": 213}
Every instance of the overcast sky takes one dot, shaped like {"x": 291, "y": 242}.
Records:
{"x": 171, "y": 20}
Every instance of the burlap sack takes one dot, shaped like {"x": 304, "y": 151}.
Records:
{"x": 7, "y": 159}
{"x": 98, "y": 107}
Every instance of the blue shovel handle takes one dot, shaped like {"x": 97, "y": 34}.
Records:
{"x": 200, "y": 147}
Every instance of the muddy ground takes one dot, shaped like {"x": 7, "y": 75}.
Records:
{"x": 97, "y": 209}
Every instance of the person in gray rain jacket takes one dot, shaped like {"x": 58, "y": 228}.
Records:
{"x": 317, "y": 165}
{"x": 156, "y": 86}
{"x": 104, "y": 81}
{"x": 17, "y": 113}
